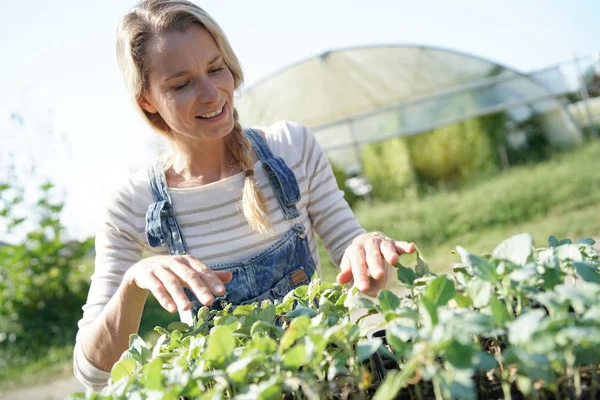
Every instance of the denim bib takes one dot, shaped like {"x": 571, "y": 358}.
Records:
{"x": 270, "y": 274}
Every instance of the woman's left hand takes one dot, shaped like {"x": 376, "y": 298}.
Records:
{"x": 364, "y": 260}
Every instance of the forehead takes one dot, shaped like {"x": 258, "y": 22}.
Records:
{"x": 173, "y": 51}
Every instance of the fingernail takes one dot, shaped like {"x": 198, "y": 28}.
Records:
{"x": 219, "y": 288}
{"x": 171, "y": 307}
{"x": 206, "y": 298}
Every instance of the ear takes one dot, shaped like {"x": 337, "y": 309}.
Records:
{"x": 145, "y": 103}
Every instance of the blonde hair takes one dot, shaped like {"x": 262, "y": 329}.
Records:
{"x": 151, "y": 17}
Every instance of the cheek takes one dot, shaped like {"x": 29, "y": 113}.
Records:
{"x": 179, "y": 105}
{"x": 226, "y": 82}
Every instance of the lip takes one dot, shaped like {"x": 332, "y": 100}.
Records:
{"x": 216, "y": 118}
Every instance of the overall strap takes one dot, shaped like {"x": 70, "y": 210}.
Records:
{"x": 281, "y": 177}
{"x": 161, "y": 225}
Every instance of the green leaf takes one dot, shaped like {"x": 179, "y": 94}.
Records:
{"x": 403, "y": 332}
{"x": 238, "y": 370}
{"x": 482, "y": 268}
{"x": 521, "y": 329}
{"x": 524, "y": 273}
{"x": 428, "y": 312}
{"x": 406, "y": 275}
{"x": 245, "y": 309}
{"x": 301, "y": 291}
{"x": 480, "y": 293}
{"x": 568, "y": 252}
{"x": 462, "y": 385}
{"x": 553, "y": 241}
{"x": 301, "y": 310}
{"x": 154, "y": 376}
{"x": 459, "y": 355}
{"x": 180, "y": 326}
{"x": 161, "y": 331}
{"x": 462, "y": 301}
{"x": 366, "y": 348}
{"x": 587, "y": 272}
{"x": 388, "y": 301}
{"x": 525, "y": 384}
{"x": 295, "y": 357}
{"x": 122, "y": 369}
{"x": 515, "y": 249}
{"x": 440, "y": 291}
{"x": 422, "y": 267}
{"x": 356, "y": 301}
{"x": 587, "y": 241}
{"x": 565, "y": 241}
{"x": 268, "y": 314}
{"x": 499, "y": 311}
{"x": 220, "y": 343}
{"x": 297, "y": 329}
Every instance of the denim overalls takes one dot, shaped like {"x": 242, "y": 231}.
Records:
{"x": 270, "y": 274}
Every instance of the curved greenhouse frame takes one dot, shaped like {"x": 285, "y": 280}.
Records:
{"x": 360, "y": 95}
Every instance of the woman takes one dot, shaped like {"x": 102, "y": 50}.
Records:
{"x": 228, "y": 214}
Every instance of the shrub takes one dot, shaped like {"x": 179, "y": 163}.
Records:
{"x": 41, "y": 285}
{"x": 387, "y": 166}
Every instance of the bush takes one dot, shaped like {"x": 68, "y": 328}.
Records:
{"x": 450, "y": 155}
{"x": 387, "y": 166}
{"x": 42, "y": 288}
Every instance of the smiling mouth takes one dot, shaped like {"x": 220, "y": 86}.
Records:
{"x": 213, "y": 114}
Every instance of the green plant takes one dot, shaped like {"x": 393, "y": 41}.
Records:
{"x": 340, "y": 178}
{"x": 41, "y": 289}
{"x": 503, "y": 324}
{"x": 450, "y": 155}
{"x": 387, "y": 166}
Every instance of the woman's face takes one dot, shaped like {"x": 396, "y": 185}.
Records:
{"x": 189, "y": 85}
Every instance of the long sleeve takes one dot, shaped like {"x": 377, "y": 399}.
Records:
{"x": 117, "y": 248}
{"x": 331, "y": 216}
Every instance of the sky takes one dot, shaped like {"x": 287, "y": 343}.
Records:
{"x": 64, "y": 108}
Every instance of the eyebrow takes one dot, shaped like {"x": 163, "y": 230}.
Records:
{"x": 182, "y": 73}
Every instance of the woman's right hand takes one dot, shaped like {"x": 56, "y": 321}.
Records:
{"x": 166, "y": 276}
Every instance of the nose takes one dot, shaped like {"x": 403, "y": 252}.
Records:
{"x": 207, "y": 91}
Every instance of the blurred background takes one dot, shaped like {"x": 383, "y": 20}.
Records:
{"x": 447, "y": 123}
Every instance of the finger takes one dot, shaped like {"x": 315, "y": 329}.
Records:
{"x": 345, "y": 274}
{"x": 171, "y": 282}
{"x": 404, "y": 247}
{"x": 224, "y": 276}
{"x": 389, "y": 252}
{"x": 160, "y": 294}
{"x": 200, "y": 271}
{"x": 374, "y": 259}
{"x": 359, "y": 268}
{"x": 193, "y": 279}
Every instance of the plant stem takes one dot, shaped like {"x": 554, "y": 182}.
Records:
{"x": 506, "y": 385}
{"x": 594, "y": 383}
{"x": 436, "y": 389}
{"x": 577, "y": 381}
{"x": 418, "y": 391}
{"x": 573, "y": 371}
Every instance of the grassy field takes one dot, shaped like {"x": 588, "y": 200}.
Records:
{"x": 559, "y": 197}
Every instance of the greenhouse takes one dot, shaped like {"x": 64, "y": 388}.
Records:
{"x": 362, "y": 95}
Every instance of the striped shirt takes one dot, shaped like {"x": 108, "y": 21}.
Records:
{"x": 214, "y": 229}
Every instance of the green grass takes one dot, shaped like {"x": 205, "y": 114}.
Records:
{"x": 560, "y": 197}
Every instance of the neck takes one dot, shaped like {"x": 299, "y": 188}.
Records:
{"x": 199, "y": 163}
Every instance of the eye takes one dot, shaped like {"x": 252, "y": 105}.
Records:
{"x": 215, "y": 71}
{"x": 182, "y": 86}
